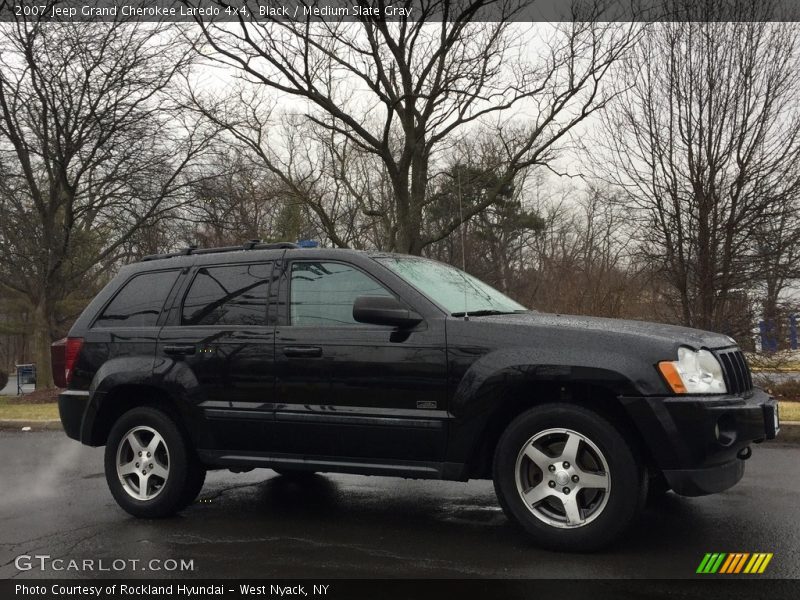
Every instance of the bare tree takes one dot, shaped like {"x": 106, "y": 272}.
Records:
{"x": 704, "y": 143}
{"x": 777, "y": 264}
{"x": 582, "y": 262}
{"x": 402, "y": 91}
{"x": 90, "y": 152}
{"x": 242, "y": 201}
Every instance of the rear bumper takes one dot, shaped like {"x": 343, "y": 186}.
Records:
{"x": 72, "y": 408}
{"x": 695, "y": 440}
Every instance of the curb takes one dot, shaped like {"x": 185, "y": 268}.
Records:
{"x": 35, "y": 425}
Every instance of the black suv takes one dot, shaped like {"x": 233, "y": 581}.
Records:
{"x": 304, "y": 360}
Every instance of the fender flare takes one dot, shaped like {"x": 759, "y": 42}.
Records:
{"x": 137, "y": 371}
{"x": 477, "y": 399}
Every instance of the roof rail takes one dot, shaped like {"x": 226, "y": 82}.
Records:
{"x": 248, "y": 245}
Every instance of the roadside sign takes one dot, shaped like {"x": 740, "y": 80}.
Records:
{"x": 26, "y": 375}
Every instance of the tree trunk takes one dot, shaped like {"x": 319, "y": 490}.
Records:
{"x": 771, "y": 314}
{"x": 42, "y": 319}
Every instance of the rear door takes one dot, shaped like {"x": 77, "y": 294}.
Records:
{"x": 350, "y": 390}
{"x": 219, "y": 345}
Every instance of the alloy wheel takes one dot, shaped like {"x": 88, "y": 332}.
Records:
{"x": 143, "y": 463}
{"x": 563, "y": 478}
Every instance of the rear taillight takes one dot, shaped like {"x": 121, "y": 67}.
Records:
{"x": 64, "y": 354}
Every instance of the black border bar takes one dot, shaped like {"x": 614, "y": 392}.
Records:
{"x": 399, "y": 589}
{"x": 530, "y": 11}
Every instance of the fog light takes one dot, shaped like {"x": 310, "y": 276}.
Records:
{"x": 725, "y": 430}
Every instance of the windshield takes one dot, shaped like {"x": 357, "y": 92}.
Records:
{"x": 450, "y": 288}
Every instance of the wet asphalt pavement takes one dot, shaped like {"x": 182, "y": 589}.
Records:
{"x": 54, "y": 501}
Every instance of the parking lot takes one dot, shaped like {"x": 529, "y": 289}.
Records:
{"x": 55, "y": 502}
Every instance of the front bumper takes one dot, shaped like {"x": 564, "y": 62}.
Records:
{"x": 696, "y": 441}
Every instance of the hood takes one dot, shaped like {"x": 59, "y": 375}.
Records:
{"x": 656, "y": 332}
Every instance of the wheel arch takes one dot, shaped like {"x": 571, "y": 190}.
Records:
{"x": 121, "y": 398}
{"x": 522, "y": 395}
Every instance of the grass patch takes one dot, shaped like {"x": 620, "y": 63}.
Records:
{"x": 790, "y": 411}
{"x": 34, "y": 412}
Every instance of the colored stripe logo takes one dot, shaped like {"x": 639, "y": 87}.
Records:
{"x": 734, "y": 563}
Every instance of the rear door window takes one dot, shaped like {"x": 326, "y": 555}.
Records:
{"x": 139, "y": 302}
{"x": 228, "y": 295}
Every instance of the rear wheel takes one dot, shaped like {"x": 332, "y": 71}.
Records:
{"x": 568, "y": 477}
{"x": 149, "y": 467}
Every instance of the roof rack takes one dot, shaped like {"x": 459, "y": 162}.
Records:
{"x": 248, "y": 245}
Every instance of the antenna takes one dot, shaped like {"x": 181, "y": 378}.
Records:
{"x": 463, "y": 244}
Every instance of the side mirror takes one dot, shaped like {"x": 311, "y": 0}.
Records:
{"x": 384, "y": 310}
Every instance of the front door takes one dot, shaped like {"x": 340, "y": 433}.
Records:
{"x": 348, "y": 390}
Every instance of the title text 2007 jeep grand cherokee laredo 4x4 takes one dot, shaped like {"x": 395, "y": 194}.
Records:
{"x": 305, "y": 360}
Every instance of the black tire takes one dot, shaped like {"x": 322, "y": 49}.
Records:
{"x": 194, "y": 484}
{"x": 657, "y": 489}
{"x": 627, "y": 484}
{"x": 185, "y": 476}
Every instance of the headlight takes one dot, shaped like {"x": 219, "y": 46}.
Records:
{"x": 694, "y": 373}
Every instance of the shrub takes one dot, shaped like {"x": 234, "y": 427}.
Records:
{"x": 3, "y": 379}
{"x": 788, "y": 389}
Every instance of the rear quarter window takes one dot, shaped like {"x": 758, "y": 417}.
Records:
{"x": 140, "y": 301}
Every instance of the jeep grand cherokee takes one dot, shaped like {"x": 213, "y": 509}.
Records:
{"x": 326, "y": 360}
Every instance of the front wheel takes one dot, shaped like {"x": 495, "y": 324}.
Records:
{"x": 149, "y": 467}
{"x": 568, "y": 477}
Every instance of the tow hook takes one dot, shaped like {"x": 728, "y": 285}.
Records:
{"x": 745, "y": 453}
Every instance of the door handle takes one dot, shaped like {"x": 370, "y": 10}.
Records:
{"x": 179, "y": 350}
{"x": 303, "y": 351}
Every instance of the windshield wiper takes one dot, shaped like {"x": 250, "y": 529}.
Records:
{"x": 485, "y": 313}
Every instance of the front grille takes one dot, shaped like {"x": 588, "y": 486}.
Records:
{"x": 735, "y": 371}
